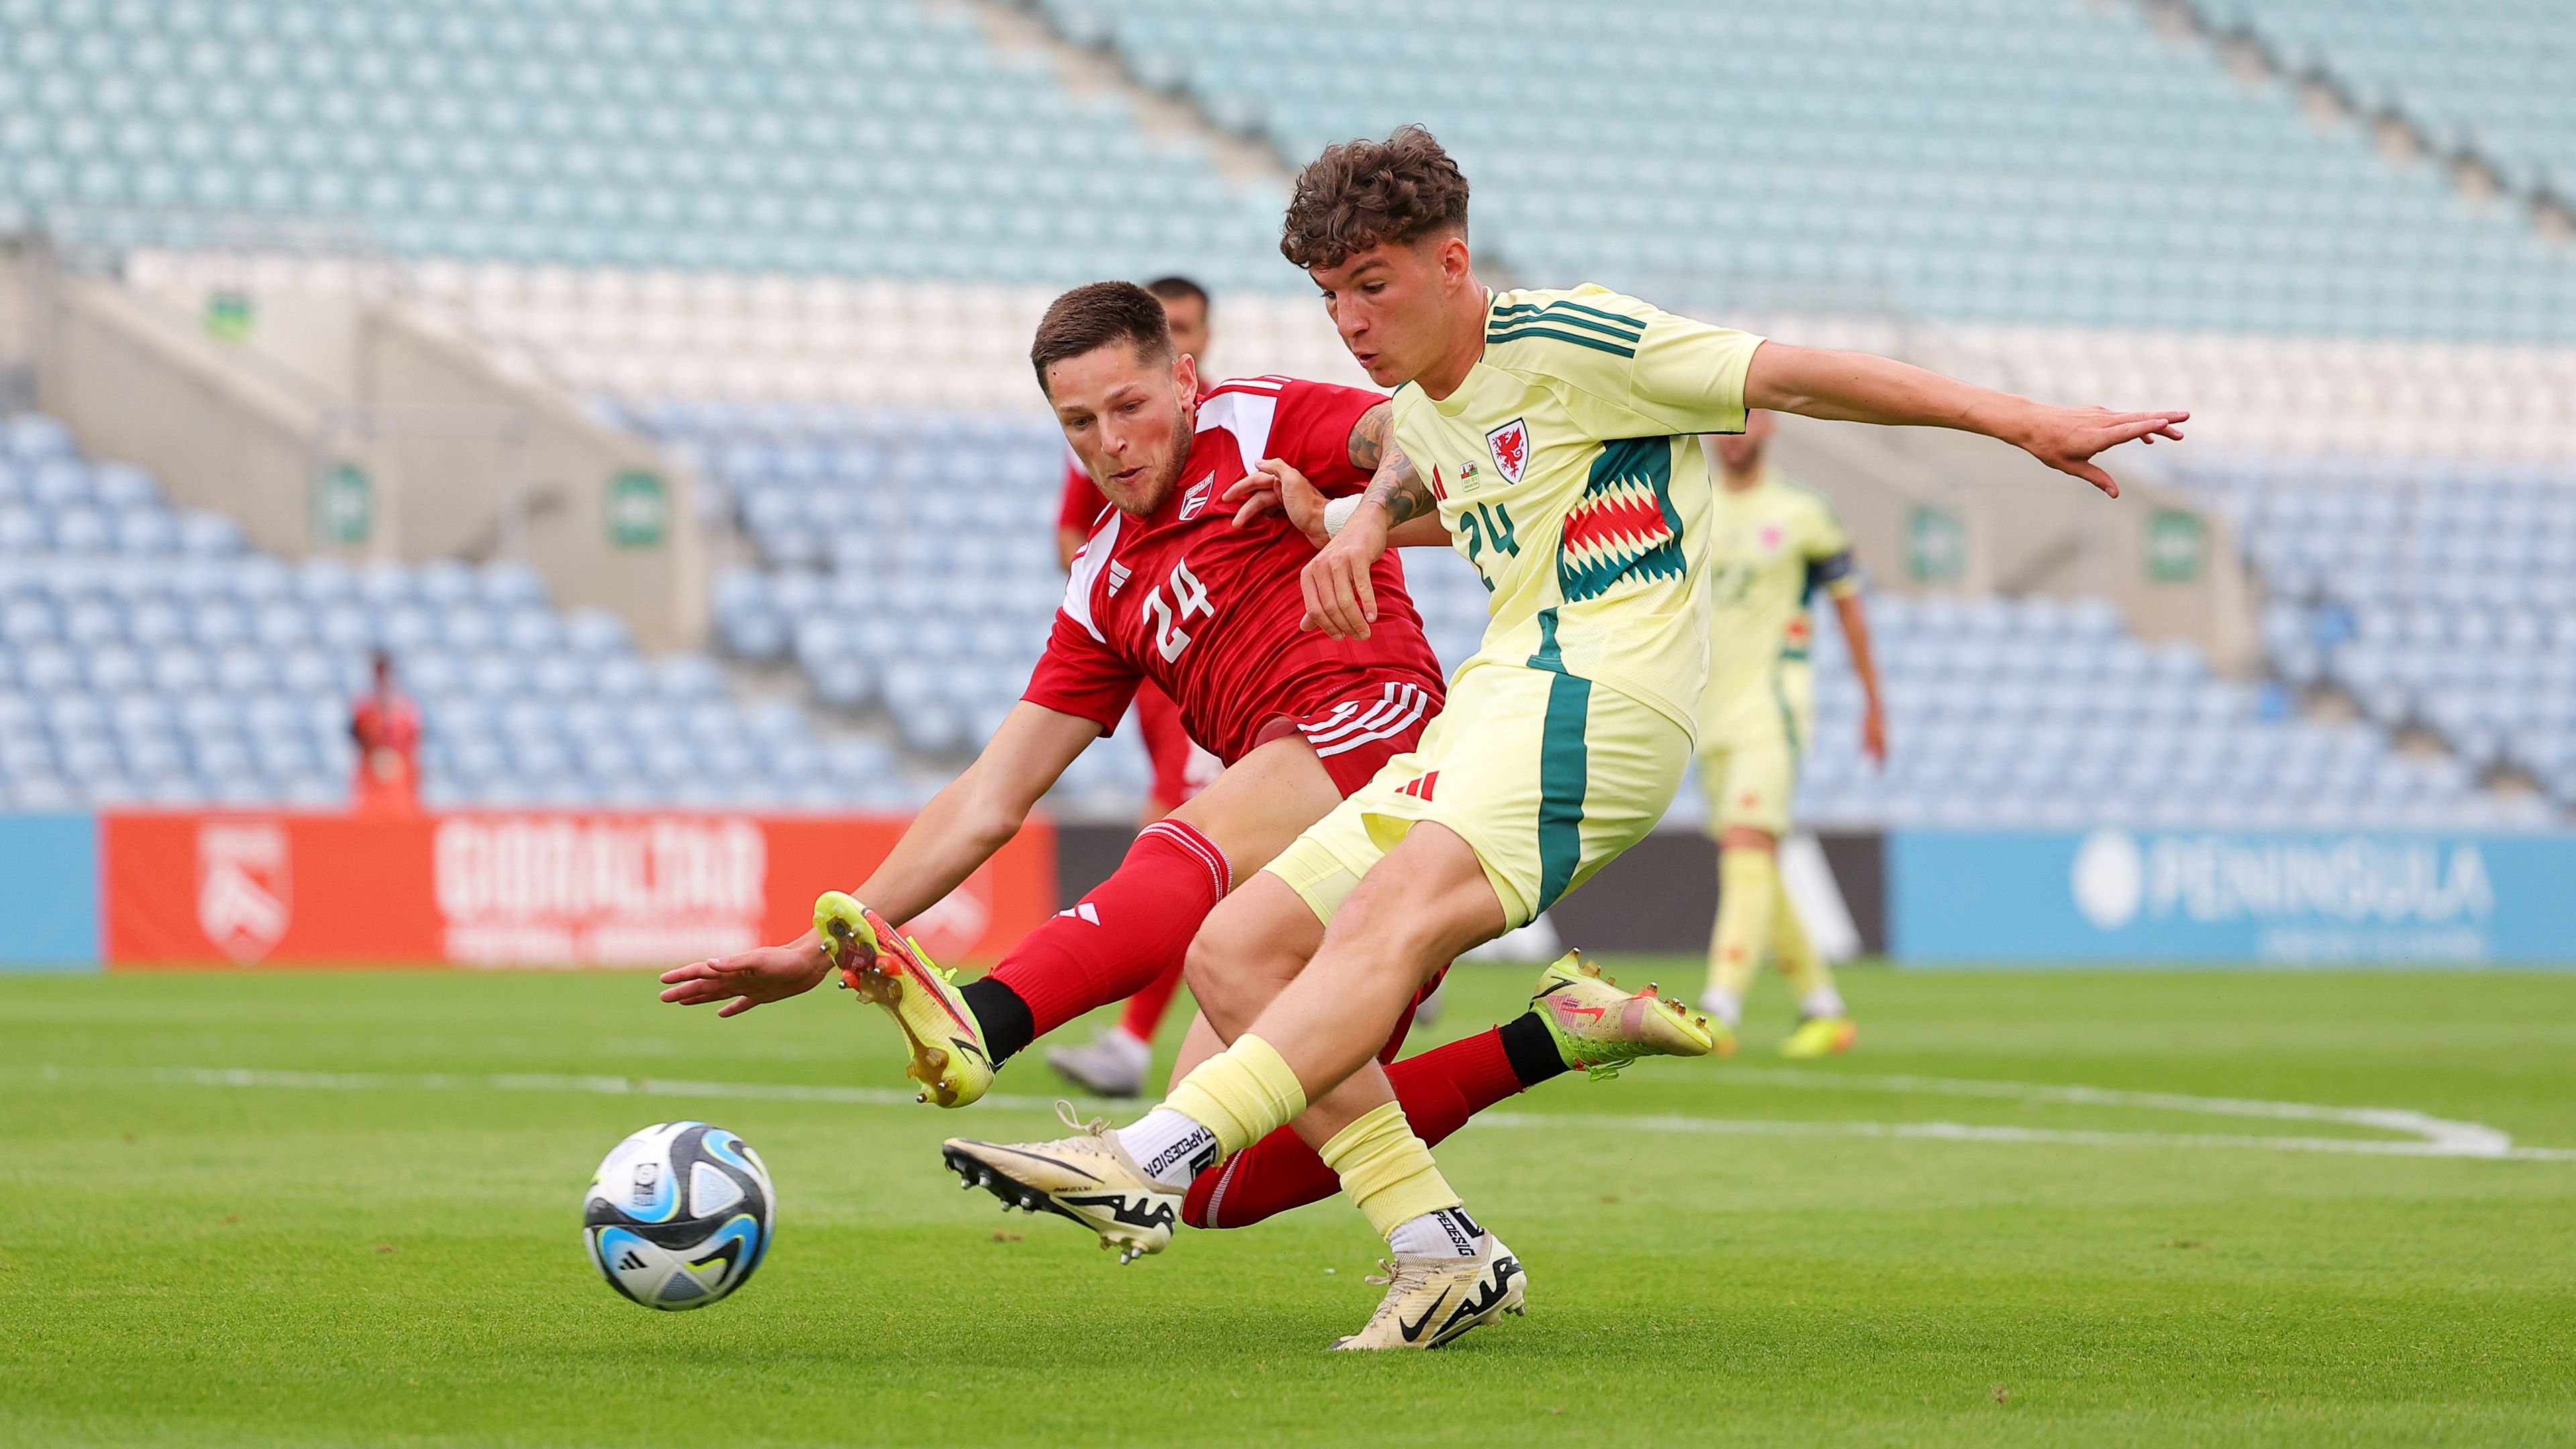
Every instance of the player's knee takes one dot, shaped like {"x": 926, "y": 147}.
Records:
{"x": 1422, "y": 933}
{"x": 1234, "y": 966}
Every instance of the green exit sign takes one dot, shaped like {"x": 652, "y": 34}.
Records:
{"x": 2176, "y": 545}
{"x": 1936, "y": 545}
{"x": 344, "y": 505}
{"x": 638, "y": 506}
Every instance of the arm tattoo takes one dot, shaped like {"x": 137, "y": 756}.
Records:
{"x": 1400, "y": 490}
{"x": 1369, "y": 436}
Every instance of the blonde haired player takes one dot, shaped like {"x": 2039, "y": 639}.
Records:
{"x": 1552, "y": 437}
{"x": 1772, "y": 543}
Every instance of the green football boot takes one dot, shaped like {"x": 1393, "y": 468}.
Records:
{"x": 1600, "y": 1029}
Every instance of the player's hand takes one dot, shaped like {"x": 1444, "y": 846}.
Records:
{"x": 2067, "y": 438}
{"x": 752, "y": 978}
{"x": 1873, "y": 733}
{"x": 1275, "y": 486}
{"x": 1339, "y": 597}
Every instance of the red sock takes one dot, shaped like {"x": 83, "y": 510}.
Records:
{"x": 1132, "y": 929}
{"x": 1145, "y": 1008}
{"x": 1439, "y": 1090}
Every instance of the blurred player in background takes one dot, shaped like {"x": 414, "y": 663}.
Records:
{"x": 1772, "y": 542}
{"x": 386, "y": 726}
{"x": 1113, "y": 1064}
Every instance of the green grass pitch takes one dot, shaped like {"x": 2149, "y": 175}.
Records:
{"x": 369, "y": 1233}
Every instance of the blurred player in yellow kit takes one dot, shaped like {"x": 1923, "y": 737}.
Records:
{"x": 1772, "y": 543}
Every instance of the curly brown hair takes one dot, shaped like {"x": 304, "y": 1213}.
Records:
{"x": 1361, "y": 194}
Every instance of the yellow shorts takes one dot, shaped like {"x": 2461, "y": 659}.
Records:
{"x": 1748, "y": 759}
{"x": 1547, "y": 776}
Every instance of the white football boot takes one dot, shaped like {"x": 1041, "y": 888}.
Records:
{"x": 1431, "y": 1301}
{"x": 1088, "y": 1178}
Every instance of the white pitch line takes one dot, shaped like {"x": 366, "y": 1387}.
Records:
{"x": 1966, "y": 1132}
{"x": 526, "y": 1082}
{"x": 2460, "y": 1139}
{"x": 2436, "y": 1137}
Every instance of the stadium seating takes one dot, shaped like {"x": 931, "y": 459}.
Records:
{"x": 1969, "y": 160}
{"x": 2436, "y": 596}
{"x": 2490, "y": 76}
{"x": 908, "y": 562}
{"x": 887, "y": 139}
{"x": 147, "y": 659}
{"x": 801, "y": 245}
{"x": 2046, "y": 713}
{"x": 1998, "y": 160}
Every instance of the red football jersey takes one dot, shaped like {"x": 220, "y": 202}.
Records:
{"x": 1210, "y": 612}
{"x": 1083, "y": 503}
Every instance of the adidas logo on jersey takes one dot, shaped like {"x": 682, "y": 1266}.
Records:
{"x": 1420, "y": 787}
{"x": 1083, "y": 912}
{"x": 1118, "y": 575}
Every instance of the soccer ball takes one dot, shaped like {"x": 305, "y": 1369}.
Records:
{"x": 679, "y": 1215}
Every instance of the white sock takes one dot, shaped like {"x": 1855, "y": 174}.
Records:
{"x": 1726, "y": 1006}
{"x": 1823, "y": 1001}
{"x": 1442, "y": 1233}
{"x": 1171, "y": 1146}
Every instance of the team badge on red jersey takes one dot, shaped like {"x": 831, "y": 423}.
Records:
{"x": 1510, "y": 446}
{"x": 1195, "y": 500}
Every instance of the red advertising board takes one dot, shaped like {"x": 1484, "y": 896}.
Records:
{"x": 518, "y": 889}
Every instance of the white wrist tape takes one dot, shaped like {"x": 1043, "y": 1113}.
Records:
{"x": 1337, "y": 514}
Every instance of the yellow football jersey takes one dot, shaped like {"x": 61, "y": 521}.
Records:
{"x": 1770, "y": 547}
{"x": 1569, "y": 473}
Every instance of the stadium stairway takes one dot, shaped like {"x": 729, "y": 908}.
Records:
{"x": 2485, "y": 80}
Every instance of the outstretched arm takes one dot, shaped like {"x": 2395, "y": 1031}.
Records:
{"x": 1873, "y": 722}
{"x": 1856, "y": 387}
{"x": 960, "y": 829}
{"x": 978, "y": 812}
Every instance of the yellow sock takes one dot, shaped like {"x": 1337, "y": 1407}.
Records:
{"x": 1241, "y": 1094}
{"x": 1386, "y": 1169}
{"x": 1748, "y": 886}
{"x": 1796, "y": 955}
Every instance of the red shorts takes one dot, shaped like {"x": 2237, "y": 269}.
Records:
{"x": 1360, "y": 731}
{"x": 1181, "y": 768}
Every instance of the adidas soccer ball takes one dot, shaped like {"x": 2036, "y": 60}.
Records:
{"x": 679, "y": 1215}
